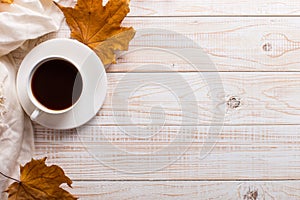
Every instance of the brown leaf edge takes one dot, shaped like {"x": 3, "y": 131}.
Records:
{"x": 7, "y": 1}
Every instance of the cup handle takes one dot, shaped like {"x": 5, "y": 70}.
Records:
{"x": 35, "y": 114}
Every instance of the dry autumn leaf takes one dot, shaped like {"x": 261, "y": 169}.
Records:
{"x": 99, "y": 27}
{"x": 39, "y": 181}
{"x": 7, "y": 1}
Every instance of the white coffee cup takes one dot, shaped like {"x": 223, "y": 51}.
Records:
{"x": 90, "y": 73}
{"x": 47, "y": 86}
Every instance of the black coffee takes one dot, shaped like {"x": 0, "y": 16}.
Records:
{"x": 56, "y": 84}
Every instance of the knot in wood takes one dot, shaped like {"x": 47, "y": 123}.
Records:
{"x": 267, "y": 47}
{"x": 2, "y": 100}
{"x": 233, "y": 102}
{"x": 251, "y": 195}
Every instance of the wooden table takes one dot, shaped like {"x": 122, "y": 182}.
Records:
{"x": 254, "y": 46}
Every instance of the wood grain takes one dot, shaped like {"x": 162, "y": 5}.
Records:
{"x": 188, "y": 99}
{"x": 228, "y": 44}
{"x": 213, "y": 7}
{"x": 204, "y": 190}
{"x": 111, "y": 153}
{"x": 182, "y": 8}
{"x": 250, "y": 44}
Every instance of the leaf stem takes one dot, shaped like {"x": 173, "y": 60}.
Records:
{"x": 10, "y": 177}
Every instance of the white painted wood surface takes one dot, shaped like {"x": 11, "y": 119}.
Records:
{"x": 111, "y": 153}
{"x": 255, "y": 47}
{"x": 231, "y": 43}
{"x": 265, "y": 98}
{"x": 204, "y": 190}
{"x": 247, "y": 44}
{"x": 213, "y": 7}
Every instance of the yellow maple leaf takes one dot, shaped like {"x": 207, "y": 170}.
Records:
{"x": 7, "y": 1}
{"x": 39, "y": 181}
{"x": 99, "y": 27}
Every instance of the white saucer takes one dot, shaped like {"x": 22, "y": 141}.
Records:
{"x": 93, "y": 76}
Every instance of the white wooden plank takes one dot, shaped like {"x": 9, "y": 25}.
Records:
{"x": 187, "y": 99}
{"x": 204, "y": 190}
{"x": 232, "y": 44}
{"x": 228, "y": 44}
{"x": 110, "y": 153}
{"x": 213, "y": 7}
{"x": 162, "y": 8}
